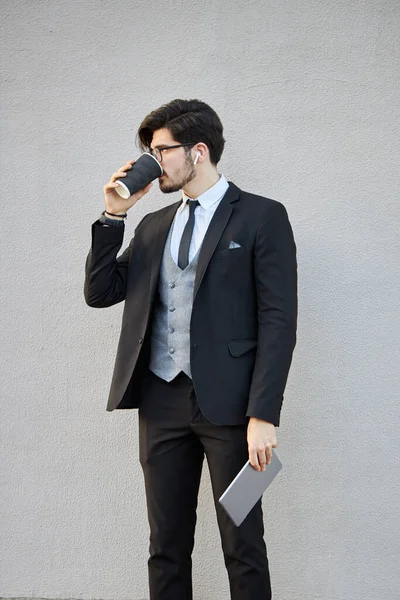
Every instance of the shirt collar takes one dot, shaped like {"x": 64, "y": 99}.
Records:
{"x": 212, "y": 195}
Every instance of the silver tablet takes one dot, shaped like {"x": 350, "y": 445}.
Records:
{"x": 248, "y": 487}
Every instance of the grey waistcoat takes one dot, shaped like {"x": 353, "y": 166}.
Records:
{"x": 170, "y": 336}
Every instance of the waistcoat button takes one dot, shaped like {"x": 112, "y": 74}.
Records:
{"x": 171, "y": 308}
{"x": 171, "y": 284}
{"x": 171, "y": 350}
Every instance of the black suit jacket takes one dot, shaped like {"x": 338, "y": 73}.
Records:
{"x": 244, "y": 314}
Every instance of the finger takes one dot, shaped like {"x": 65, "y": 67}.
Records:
{"x": 121, "y": 172}
{"x": 110, "y": 186}
{"x": 268, "y": 452}
{"x": 127, "y": 166}
{"x": 113, "y": 179}
{"x": 253, "y": 458}
{"x": 117, "y": 175}
{"x": 262, "y": 458}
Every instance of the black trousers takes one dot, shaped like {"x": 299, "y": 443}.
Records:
{"x": 174, "y": 435}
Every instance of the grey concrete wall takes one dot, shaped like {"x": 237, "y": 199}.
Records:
{"x": 309, "y": 95}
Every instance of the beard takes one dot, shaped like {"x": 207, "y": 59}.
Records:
{"x": 182, "y": 178}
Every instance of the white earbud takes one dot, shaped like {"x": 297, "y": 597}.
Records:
{"x": 198, "y": 154}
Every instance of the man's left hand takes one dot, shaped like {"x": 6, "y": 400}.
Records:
{"x": 261, "y": 438}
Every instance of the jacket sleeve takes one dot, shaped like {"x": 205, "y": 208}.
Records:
{"x": 275, "y": 272}
{"x": 105, "y": 274}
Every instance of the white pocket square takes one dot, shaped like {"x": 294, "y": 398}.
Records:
{"x": 234, "y": 245}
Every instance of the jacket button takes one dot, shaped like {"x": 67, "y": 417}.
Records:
{"x": 141, "y": 341}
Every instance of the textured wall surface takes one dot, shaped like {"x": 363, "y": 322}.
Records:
{"x": 308, "y": 92}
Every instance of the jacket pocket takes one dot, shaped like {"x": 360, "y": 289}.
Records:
{"x": 229, "y": 253}
{"x": 240, "y": 347}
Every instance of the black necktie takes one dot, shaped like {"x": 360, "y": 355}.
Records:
{"x": 183, "y": 254}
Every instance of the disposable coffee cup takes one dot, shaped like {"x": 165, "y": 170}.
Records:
{"x": 143, "y": 171}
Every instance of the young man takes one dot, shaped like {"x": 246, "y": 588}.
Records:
{"x": 208, "y": 332}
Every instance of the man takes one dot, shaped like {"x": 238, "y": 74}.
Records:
{"x": 208, "y": 332}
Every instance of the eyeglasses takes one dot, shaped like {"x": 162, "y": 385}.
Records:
{"x": 157, "y": 152}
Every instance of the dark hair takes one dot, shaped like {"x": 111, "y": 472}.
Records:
{"x": 188, "y": 121}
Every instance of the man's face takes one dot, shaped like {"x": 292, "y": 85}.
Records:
{"x": 177, "y": 163}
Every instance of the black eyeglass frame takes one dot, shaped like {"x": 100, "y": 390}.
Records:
{"x": 160, "y": 150}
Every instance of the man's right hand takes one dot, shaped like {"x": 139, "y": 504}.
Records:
{"x": 114, "y": 202}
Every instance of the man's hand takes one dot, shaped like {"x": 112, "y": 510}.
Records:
{"x": 261, "y": 438}
{"x": 114, "y": 202}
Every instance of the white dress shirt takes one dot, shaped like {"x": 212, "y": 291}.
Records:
{"x": 202, "y": 216}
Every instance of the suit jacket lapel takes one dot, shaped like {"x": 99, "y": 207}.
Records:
{"x": 215, "y": 229}
{"x": 163, "y": 224}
